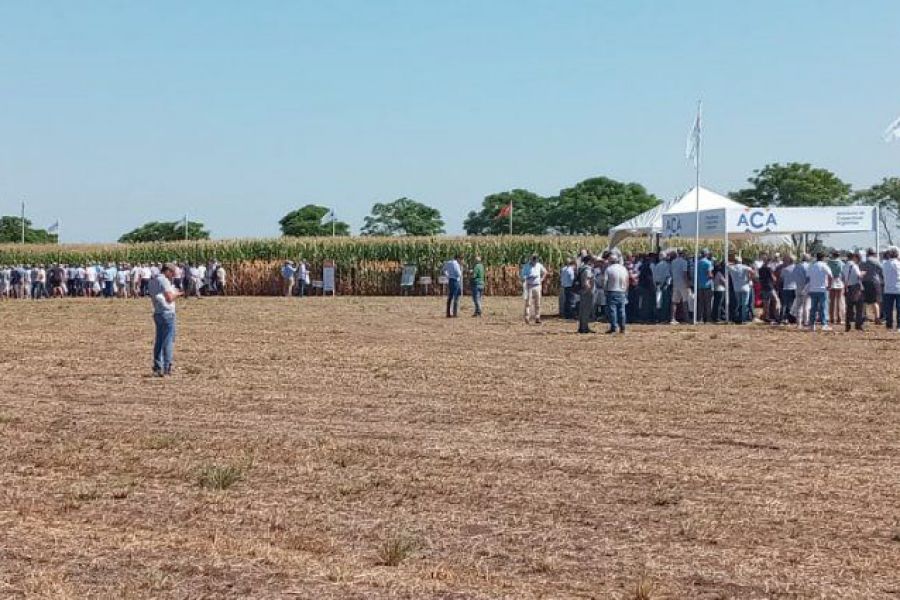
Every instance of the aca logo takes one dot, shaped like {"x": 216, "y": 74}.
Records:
{"x": 753, "y": 221}
{"x": 673, "y": 226}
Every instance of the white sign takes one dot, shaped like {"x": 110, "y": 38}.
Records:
{"x": 328, "y": 277}
{"x": 763, "y": 221}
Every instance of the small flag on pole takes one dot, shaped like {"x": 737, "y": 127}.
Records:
{"x": 505, "y": 211}
{"x": 893, "y": 131}
{"x": 692, "y": 151}
{"x": 53, "y": 228}
{"x": 330, "y": 215}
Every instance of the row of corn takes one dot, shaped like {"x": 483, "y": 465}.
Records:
{"x": 364, "y": 266}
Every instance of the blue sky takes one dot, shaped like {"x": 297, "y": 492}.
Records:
{"x": 116, "y": 113}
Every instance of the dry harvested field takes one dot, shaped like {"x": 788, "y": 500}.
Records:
{"x": 369, "y": 448}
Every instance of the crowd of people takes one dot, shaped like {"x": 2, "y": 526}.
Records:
{"x": 817, "y": 291}
{"x": 112, "y": 280}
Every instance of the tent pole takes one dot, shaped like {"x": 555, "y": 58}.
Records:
{"x": 727, "y": 276}
{"x": 877, "y": 228}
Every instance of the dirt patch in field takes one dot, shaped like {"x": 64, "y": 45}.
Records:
{"x": 370, "y": 448}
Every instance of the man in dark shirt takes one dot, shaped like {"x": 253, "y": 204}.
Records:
{"x": 767, "y": 294}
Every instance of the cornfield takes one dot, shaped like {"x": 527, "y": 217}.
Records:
{"x": 365, "y": 266}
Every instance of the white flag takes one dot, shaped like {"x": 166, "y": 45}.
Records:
{"x": 53, "y": 228}
{"x": 692, "y": 152}
{"x": 892, "y": 132}
{"x": 330, "y": 216}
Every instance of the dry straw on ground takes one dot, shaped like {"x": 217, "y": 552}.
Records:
{"x": 370, "y": 448}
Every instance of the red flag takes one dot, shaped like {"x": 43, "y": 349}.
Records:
{"x": 505, "y": 211}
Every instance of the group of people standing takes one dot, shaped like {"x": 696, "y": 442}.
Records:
{"x": 112, "y": 280}
{"x": 815, "y": 291}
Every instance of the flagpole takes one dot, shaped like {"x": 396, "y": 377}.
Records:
{"x": 333, "y": 230}
{"x": 510, "y": 217}
{"x": 697, "y": 210}
{"x": 23, "y": 222}
{"x": 185, "y": 227}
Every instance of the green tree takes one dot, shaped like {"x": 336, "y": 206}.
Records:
{"x": 794, "y": 184}
{"x": 403, "y": 217}
{"x": 11, "y": 232}
{"x": 598, "y": 204}
{"x": 310, "y": 221}
{"x": 530, "y": 214}
{"x": 165, "y": 231}
{"x": 886, "y": 196}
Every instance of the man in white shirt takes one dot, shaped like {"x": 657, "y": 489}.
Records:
{"x": 615, "y": 284}
{"x": 819, "y": 277}
{"x": 853, "y": 295}
{"x": 891, "y": 296}
{"x": 162, "y": 295}
{"x": 681, "y": 290}
{"x": 453, "y": 272}
{"x": 800, "y": 309}
{"x": 742, "y": 276}
{"x": 302, "y": 276}
{"x": 533, "y": 275}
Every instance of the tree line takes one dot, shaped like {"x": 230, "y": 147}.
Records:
{"x": 590, "y": 207}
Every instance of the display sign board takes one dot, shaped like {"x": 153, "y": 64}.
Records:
{"x": 328, "y": 272}
{"x": 764, "y": 221}
{"x": 408, "y": 276}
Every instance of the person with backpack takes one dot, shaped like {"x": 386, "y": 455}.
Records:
{"x": 583, "y": 285}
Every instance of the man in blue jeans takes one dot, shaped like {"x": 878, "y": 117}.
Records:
{"x": 453, "y": 272}
{"x": 162, "y": 294}
{"x": 615, "y": 284}
{"x": 819, "y": 277}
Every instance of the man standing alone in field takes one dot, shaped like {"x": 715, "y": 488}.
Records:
{"x": 477, "y": 285}
{"x": 533, "y": 275}
{"x": 162, "y": 294}
{"x": 453, "y": 272}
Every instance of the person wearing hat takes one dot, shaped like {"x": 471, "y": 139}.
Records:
{"x": 162, "y": 294}
{"x": 288, "y": 271}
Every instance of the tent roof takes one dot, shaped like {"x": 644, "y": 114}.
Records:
{"x": 651, "y": 221}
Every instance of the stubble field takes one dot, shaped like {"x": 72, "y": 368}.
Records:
{"x": 369, "y": 448}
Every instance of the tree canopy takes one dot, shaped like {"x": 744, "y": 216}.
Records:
{"x": 886, "y": 196}
{"x": 310, "y": 221}
{"x": 530, "y": 214}
{"x": 165, "y": 231}
{"x": 794, "y": 184}
{"x": 11, "y": 232}
{"x": 597, "y": 204}
{"x": 403, "y": 217}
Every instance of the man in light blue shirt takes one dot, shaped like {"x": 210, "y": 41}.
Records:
{"x": 288, "y": 271}
{"x": 453, "y": 272}
{"x": 704, "y": 287}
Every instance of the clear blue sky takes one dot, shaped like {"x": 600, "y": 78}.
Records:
{"x": 116, "y": 113}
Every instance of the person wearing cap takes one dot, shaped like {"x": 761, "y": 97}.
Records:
{"x": 568, "y": 299}
{"x": 585, "y": 286}
{"x": 533, "y": 275}
{"x": 681, "y": 287}
{"x": 162, "y": 294}
{"x": 477, "y": 285}
{"x": 288, "y": 271}
{"x": 615, "y": 285}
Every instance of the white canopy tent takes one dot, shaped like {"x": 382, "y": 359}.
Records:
{"x": 651, "y": 221}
